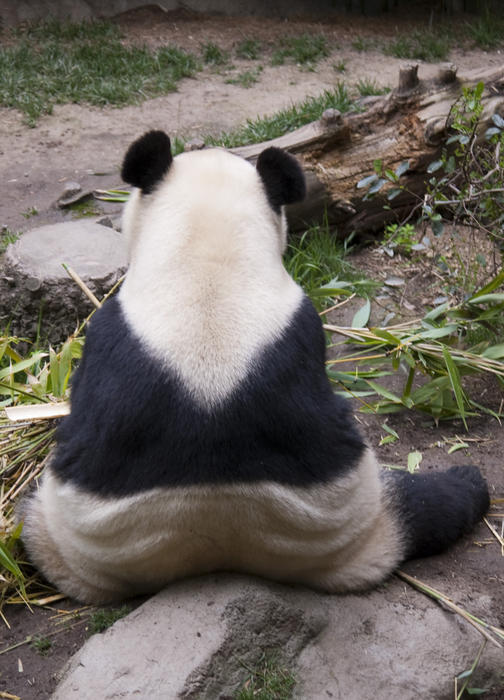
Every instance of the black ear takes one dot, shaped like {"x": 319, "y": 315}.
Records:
{"x": 282, "y": 176}
{"x": 147, "y": 160}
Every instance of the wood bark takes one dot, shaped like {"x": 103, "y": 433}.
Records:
{"x": 410, "y": 124}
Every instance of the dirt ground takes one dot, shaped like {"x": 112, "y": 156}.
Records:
{"x": 87, "y": 144}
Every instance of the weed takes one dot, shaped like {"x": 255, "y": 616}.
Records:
{"x": 420, "y": 44}
{"x": 57, "y": 62}
{"x": 6, "y": 238}
{"x": 317, "y": 262}
{"x": 42, "y": 645}
{"x": 269, "y": 680}
{"x": 340, "y": 67}
{"x": 401, "y": 237}
{"x": 101, "y": 620}
{"x": 363, "y": 43}
{"x": 370, "y": 87}
{"x": 487, "y": 31}
{"x": 305, "y": 50}
{"x": 266, "y": 128}
{"x": 32, "y": 211}
{"x": 245, "y": 79}
{"x": 83, "y": 209}
{"x": 213, "y": 55}
{"x": 249, "y": 48}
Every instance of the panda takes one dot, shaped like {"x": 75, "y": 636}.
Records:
{"x": 204, "y": 434}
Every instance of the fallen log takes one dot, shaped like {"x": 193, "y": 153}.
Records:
{"x": 409, "y": 124}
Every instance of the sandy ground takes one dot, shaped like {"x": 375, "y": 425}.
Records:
{"x": 87, "y": 144}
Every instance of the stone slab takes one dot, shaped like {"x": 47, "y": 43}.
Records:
{"x": 199, "y": 638}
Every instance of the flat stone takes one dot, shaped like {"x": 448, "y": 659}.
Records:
{"x": 199, "y": 638}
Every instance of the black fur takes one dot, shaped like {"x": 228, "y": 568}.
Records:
{"x": 147, "y": 160}
{"x": 282, "y": 176}
{"x": 437, "y": 509}
{"x": 133, "y": 427}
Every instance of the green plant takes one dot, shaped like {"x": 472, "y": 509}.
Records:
{"x": 213, "y": 54}
{"x": 42, "y": 645}
{"x": 32, "y": 211}
{"x": 363, "y": 43}
{"x": 249, "y": 48}
{"x": 269, "y": 680}
{"x": 340, "y": 66}
{"x": 6, "y": 238}
{"x": 425, "y": 45}
{"x": 432, "y": 349}
{"x": 370, "y": 87}
{"x": 101, "y": 620}
{"x": 401, "y": 237}
{"x": 305, "y": 50}
{"x": 55, "y": 62}
{"x": 83, "y": 209}
{"x": 266, "y": 128}
{"x": 487, "y": 31}
{"x": 245, "y": 79}
{"x": 317, "y": 262}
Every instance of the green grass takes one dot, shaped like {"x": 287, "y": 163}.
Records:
{"x": 84, "y": 209}
{"x": 56, "y": 62}
{"x": 213, "y": 55}
{"x": 487, "y": 31}
{"x": 364, "y": 43}
{"x": 270, "y": 680}
{"x": 249, "y": 49}
{"x": 266, "y": 128}
{"x": 370, "y": 87}
{"x": 317, "y": 262}
{"x": 101, "y": 620}
{"x": 245, "y": 79}
{"x": 305, "y": 50}
{"x": 340, "y": 66}
{"x": 6, "y": 238}
{"x": 42, "y": 645}
{"x": 424, "y": 45}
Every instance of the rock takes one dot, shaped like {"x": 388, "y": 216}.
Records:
{"x": 34, "y": 284}
{"x": 72, "y": 193}
{"x": 394, "y": 282}
{"x": 199, "y": 639}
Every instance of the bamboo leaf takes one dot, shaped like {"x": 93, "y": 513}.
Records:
{"x": 361, "y": 318}
{"x": 454, "y": 376}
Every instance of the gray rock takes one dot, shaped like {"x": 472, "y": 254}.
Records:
{"x": 198, "y": 639}
{"x": 33, "y": 283}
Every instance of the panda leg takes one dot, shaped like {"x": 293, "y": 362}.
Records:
{"x": 437, "y": 509}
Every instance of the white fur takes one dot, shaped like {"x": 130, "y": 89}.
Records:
{"x": 336, "y": 536}
{"x": 206, "y": 289}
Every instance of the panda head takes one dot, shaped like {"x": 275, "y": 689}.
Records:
{"x": 227, "y": 191}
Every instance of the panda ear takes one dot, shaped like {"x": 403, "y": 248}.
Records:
{"x": 282, "y": 176}
{"x": 147, "y": 160}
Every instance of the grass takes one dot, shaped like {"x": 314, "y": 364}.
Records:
{"x": 269, "y": 680}
{"x": 487, "y": 31}
{"x": 370, "y": 87}
{"x": 266, "y": 128}
{"x": 59, "y": 62}
{"x": 213, "y": 55}
{"x": 84, "y": 209}
{"x": 340, "y": 66}
{"x": 363, "y": 43}
{"x": 100, "y": 620}
{"x": 6, "y": 238}
{"x": 425, "y": 45}
{"x": 42, "y": 645}
{"x": 246, "y": 79}
{"x": 249, "y": 49}
{"x": 305, "y": 50}
{"x": 317, "y": 262}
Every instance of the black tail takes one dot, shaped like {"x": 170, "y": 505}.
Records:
{"x": 437, "y": 509}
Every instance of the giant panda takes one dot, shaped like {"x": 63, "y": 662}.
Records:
{"x": 204, "y": 434}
